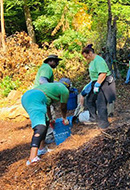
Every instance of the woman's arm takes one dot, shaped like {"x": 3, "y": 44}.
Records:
{"x": 101, "y": 78}
{"x": 97, "y": 85}
{"x": 64, "y": 112}
{"x": 49, "y": 112}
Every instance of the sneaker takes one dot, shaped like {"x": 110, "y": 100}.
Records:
{"x": 44, "y": 151}
{"x": 49, "y": 138}
{"x": 32, "y": 161}
{"x": 89, "y": 122}
{"x": 49, "y": 150}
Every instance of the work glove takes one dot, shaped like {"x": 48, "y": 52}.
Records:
{"x": 65, "y": 122}
{"x": 78, "y": 110}
{"x": 86, "y": 90}
{"x": 96, "y": 87}
{"x": 81, "y": 109}
{"x": 52, "y": 123}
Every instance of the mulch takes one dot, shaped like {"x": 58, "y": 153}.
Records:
{"x": 88, "y": 160}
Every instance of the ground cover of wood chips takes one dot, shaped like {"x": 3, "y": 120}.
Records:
{"x": 89, "y": 159}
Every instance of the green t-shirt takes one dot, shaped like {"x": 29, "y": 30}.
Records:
{"x": 97, "y": 66}
{"x": 54, "y": 92}
{"x": 129, "y": 64}
{"x": 45, "y": 71}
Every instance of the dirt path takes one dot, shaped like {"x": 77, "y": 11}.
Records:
{"x": 15, "y": 146}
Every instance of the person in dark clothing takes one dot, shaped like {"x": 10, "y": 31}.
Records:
{"x": 102, "y": 89}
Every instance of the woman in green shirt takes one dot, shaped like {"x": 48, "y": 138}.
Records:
{"x": 37, "y": 103}
{"x": 102, "y": 87}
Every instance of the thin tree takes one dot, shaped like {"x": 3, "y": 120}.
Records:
{"x": 2, "y": 25}
{"x": 29, "y": 22}
{"x": 111, "y": 40}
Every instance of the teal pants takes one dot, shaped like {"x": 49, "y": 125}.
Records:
{"x": 34, "y": 102}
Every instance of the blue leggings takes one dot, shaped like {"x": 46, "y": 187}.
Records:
{"x": 128, "y": 77}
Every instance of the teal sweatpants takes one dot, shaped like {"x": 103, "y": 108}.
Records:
{"x": 34, "y": 102}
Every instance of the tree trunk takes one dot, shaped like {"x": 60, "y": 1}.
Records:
{"x": 2, "y": 25}
{"x": 29, "y": 22}
{"x": 109, "y": 36}
{"x": 114, "y": 31}
{"x": 111, "y": 42}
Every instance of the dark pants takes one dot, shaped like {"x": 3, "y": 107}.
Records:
{"x": 98, "y": 102}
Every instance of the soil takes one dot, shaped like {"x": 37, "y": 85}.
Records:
{"x": 89, "y": 159}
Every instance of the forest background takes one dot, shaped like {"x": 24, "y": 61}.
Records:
{"x": 33, "y": 29}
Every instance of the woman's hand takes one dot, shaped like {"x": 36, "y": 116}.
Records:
{"x": 52, "y": 123}
{"x": 81, "y": 100}
{"x": 96, "y": 87}
{"x": 65, "y": 121}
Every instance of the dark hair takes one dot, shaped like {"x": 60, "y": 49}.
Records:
{"x": 87, "y": 49}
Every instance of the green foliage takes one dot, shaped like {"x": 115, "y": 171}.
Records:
{"x": 7, "y": 85}
{"x": 57, "y": 22}
{"x": 14, "y": 16}
{"x": 67, "y": 55}
{"x": 46, "y": 16}
{"x": 71, "y": 40}
{"x": 123, "y": 22}
{"x": 123, "y": 70}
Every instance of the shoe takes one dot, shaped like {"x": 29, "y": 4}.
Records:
{"x": 110, "y": 115}
{"x": 44, "y": 151}
{"x": 89, "y": 122}
{"x": 33, "y": 160}
{"x": 49, "y": 138}
{"x": 126, "y": 83}
{"x": 104, "y": 125}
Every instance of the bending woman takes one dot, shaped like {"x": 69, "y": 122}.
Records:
{"x": 37, "y": 103}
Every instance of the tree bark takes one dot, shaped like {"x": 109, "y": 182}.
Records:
{"x": 29, "y": 24}
{"x": 2, "y": 25}
{"x": 109, "y": 36}
{"x": 111, "y": 41}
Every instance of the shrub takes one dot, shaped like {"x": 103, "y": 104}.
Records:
{"x": 7, "y": 85}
